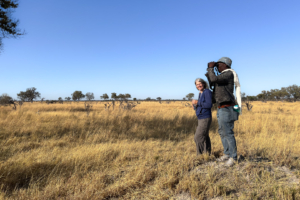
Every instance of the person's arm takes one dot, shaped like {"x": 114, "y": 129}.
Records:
{"x": 222, "y": 78}
{"x": 207, "y": 95}
{"x": 194, "y": 104}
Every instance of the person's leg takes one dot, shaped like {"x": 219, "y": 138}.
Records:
{"x": 196, "y": 139}
{"x": 201, "y": 136}
{"x": 222, "y": 132}
{"x": 208, "y": 142}
{"x": 227, "y": 125}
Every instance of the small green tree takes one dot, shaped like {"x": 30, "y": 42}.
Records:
{"x": 77, "y": 95}
{"x": 121, "y": 96}
{"x": 29, "y": 95}
{"x": 5, "y": 99}
{"x": 89, "y": 96}
{"x": 263, "y": 96}
{"x": 159, "y": 99}
{"x": 127, "y": 96}
{"x": 60, "y": 100}
{"x": 104, "y": 96}
{"x": 67, "y": 98}
{"x": 189, "y": 96}
{"x": 294, "y": 91}
{"x": 134, "y": 99}
{"x": 114, "y": 96}
{"x": 124, "y": 97}
{"x": 148, "y": 98}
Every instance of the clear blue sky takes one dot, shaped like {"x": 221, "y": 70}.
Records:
{"x": 149, "y": 48}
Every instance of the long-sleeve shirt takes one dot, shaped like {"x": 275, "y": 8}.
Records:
{"x": 223, "y": 86}
{"x": 204, "y": 105}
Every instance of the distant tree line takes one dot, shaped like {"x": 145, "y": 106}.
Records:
{"x": 32, "y": 94}
{"x": 290, "y": 93}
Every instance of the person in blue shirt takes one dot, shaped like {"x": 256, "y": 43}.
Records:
{"x": 203, "y": 111}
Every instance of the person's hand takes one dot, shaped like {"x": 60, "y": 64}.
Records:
{"x": 194, "y": 102}
{"x": 211, "y": 64}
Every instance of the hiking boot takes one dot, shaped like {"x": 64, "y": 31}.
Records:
{"x": 223, "y": 158}
{"x": 230, "y": 162}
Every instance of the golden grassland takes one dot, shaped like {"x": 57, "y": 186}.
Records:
{"x": 56, "y": 151}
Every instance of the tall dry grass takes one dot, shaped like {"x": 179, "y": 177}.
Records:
{"x": 57, "y": 151}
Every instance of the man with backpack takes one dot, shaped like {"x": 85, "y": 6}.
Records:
{"x": 223, "y": 94}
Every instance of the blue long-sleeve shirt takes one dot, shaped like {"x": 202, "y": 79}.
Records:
{"x": 204, "y": 105}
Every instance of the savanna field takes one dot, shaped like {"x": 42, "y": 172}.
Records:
{"x": 57, "y": 151}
